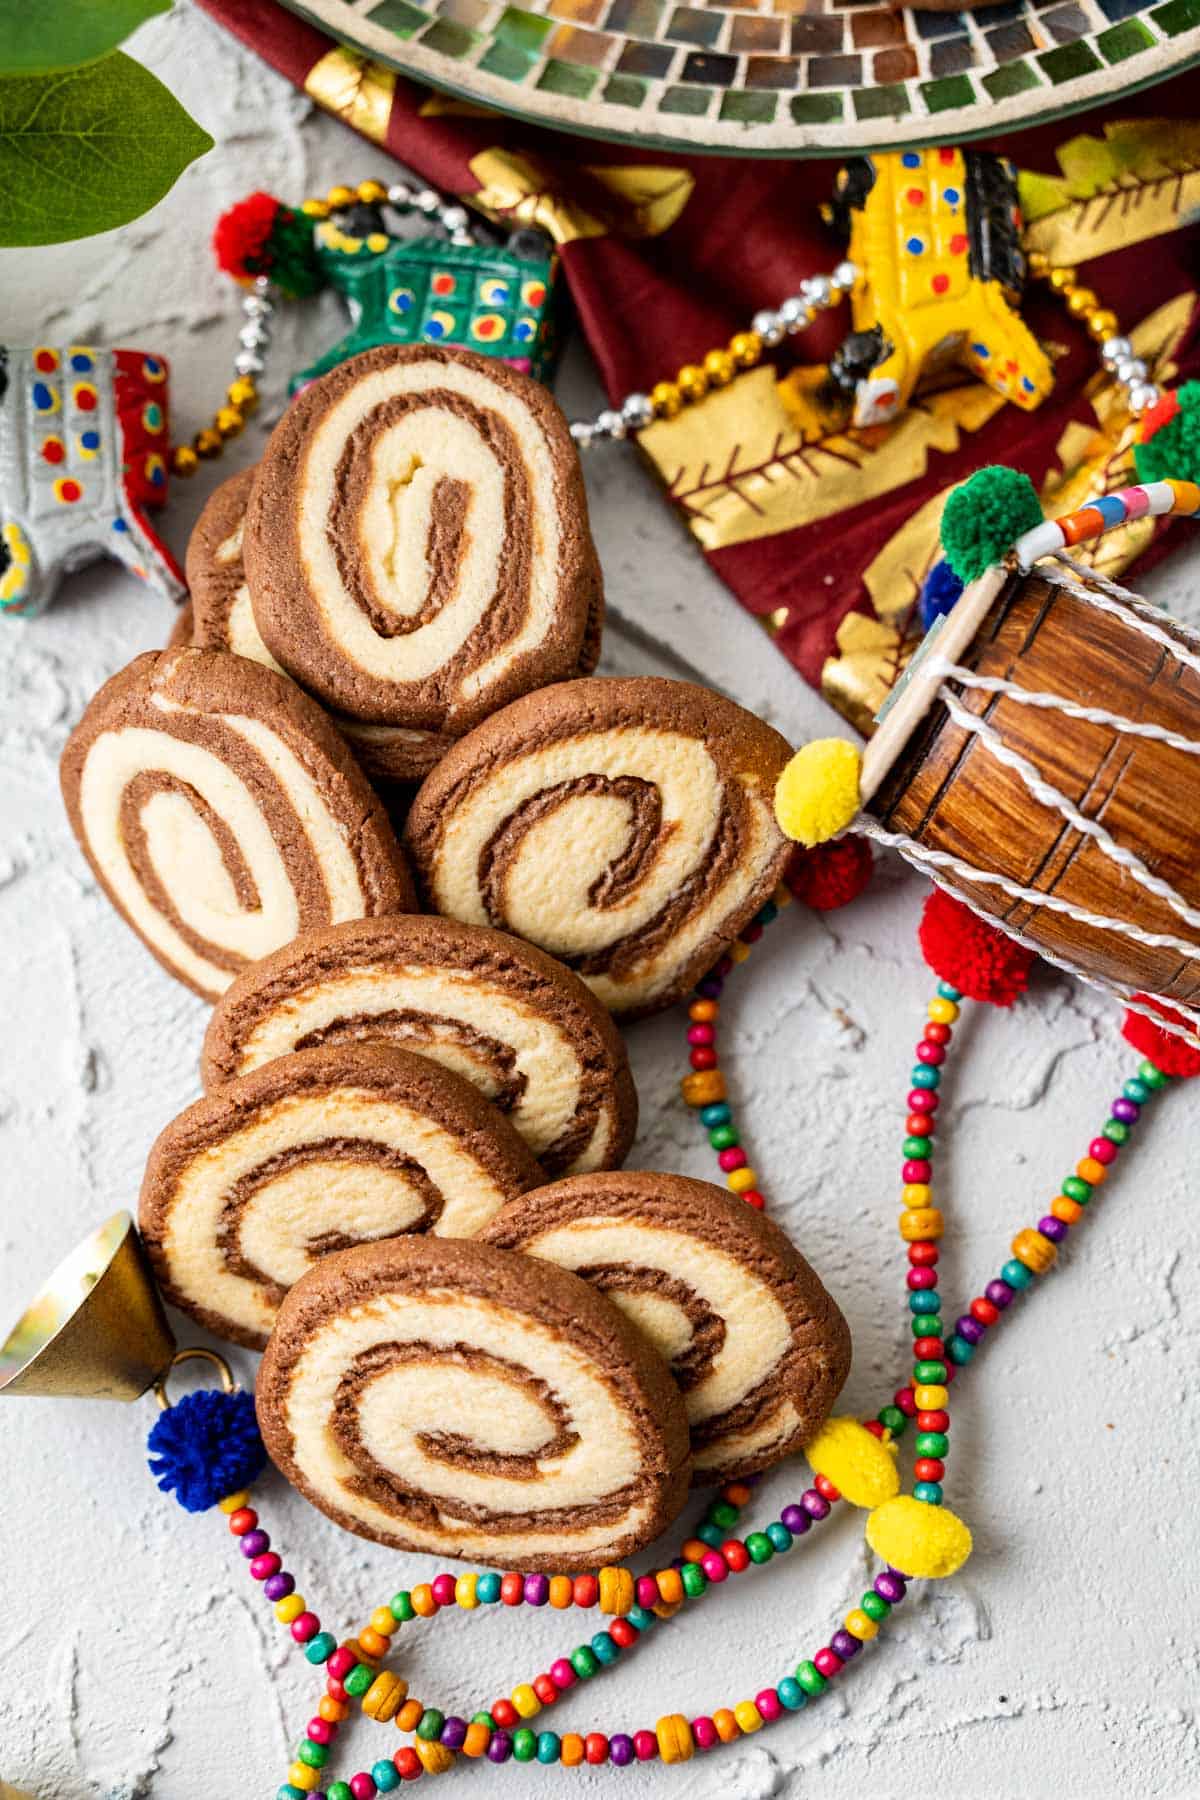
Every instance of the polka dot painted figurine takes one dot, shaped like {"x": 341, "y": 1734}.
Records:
{"x": 83, "y": 456}
{"x": 934, "y": 236}
{"x": 495, "y": 298}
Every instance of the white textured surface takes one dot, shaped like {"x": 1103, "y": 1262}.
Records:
{"x": 136, "y": 1655}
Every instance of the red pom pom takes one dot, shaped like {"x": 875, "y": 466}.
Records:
{"x": 831, "y": 875}
{"x": 1159, "y": 1043}
{"x": 242, "y": 236}
{"x": 1158, "y": 416}
{"x": 973, "y": 956}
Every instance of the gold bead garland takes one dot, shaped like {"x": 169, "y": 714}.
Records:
{"x": 1117, "y": 354}
{"x": 241, "y": 399}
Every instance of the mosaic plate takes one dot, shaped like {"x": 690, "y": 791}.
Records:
{"x": 772, "y": 77}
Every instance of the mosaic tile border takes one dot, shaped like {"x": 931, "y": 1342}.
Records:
{"x": 772, "y": 77}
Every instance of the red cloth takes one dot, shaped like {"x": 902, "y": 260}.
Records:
{"x": 747, "y": 235}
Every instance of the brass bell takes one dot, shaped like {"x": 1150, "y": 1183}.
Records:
{"x": 97, "y": 1329}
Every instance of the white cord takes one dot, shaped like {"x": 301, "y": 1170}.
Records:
{"x": 1121, "y": 604}
{"x": 1089, "y": 715}
{"x": 923, "y": 856}
{"x": 1051, "y": 797}
{"x": 1127, "y": 995}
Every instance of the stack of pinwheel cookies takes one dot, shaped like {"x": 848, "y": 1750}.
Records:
{"x": 404, "y": 1178}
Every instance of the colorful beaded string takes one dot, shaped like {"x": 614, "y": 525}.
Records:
{"x": 353, "y": 1672}
{"x": 710, "y": 1557}
{"x": 704, "y": 1088}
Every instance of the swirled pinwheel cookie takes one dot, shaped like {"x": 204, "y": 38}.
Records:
{"x": 223, "y": 619}
{"x": 416, "y": 542}
{"x": 443, "y": 1395}
{"x": 757, "y": 1346}
{"x": 626, "y": 826}
{"x": 310, "y": 1154}
{"x": 518, "y": 1025}
{"x": 221, "y": 813}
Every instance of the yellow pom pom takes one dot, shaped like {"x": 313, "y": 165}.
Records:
{"x": 923, "y": 1541}
{"x": 817, "y": 794}
{"x": 861, "y": 1466}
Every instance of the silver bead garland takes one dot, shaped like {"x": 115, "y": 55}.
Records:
{"x": 450, "y": 215}
{"x": 258, "y": 307}
{"x": 1130, "y": 372}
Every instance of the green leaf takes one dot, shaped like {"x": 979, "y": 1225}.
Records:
{"x": 87, "y": 150}
{"x": 39, "y": 36}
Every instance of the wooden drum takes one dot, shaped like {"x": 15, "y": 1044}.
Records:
{"x": 1041, "y": 763}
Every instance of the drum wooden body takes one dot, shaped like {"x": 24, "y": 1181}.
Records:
{"x": 949, "y": 790}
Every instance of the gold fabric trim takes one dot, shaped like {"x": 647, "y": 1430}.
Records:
{"x": 637, "y": 201}
{"x": 871, "y": 658}
{"x": 451, "y": 106}
{"x": 355, "y": 90}
{"x": 762, "y": 456}
{"x": 1138, "y": 181}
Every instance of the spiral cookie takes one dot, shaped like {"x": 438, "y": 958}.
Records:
{"x": 446, "y": 1396}
{"x": 224, "y": 620}
{"x": 222, "y": 814}
{"x": 624, "y": 825}
{"x": 328, "y": 1148}
{"x": 518, "y": 1025}
{"x": 416, "y": 541}
{"x": 755, "y": 1343}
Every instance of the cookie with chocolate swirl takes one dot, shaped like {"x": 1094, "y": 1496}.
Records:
{"x": 517, "y": 1024}
{"x": 223, "y": 619}
{"x": 758, "y": 1348}
{"x": 245, "y": 1190}
{"x": 416, "y": 542}
{"x": 446, "y": 1396}
{"x": 221, "y": 813}
{"x": 624, "y": 825}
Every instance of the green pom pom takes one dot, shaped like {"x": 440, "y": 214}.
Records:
{"x": 983, "y": 519}
{"x": 294, "y": 267}
{"x": 1171, "y": 447}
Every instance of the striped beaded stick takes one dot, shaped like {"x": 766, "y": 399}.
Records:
{"x": 1153, "y": 499}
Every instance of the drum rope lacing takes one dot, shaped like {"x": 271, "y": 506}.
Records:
{"x": 1109, "y": 597}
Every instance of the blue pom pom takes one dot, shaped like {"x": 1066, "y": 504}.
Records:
{"x": 942, "y": 588}
{"x": 206, "y": 1446}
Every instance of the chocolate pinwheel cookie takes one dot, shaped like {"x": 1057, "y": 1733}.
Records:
{"x": 223, "y": 619}
{"x": 443, "y": 1395}
{"x": 416, "y": 542}
{"x": 626, "y": 826}
{"x": 517, "y": 1024}
{"x": 758, "y": 1348}
{"x": 246, "y": 1189}
{"x": 222, "y": 813}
